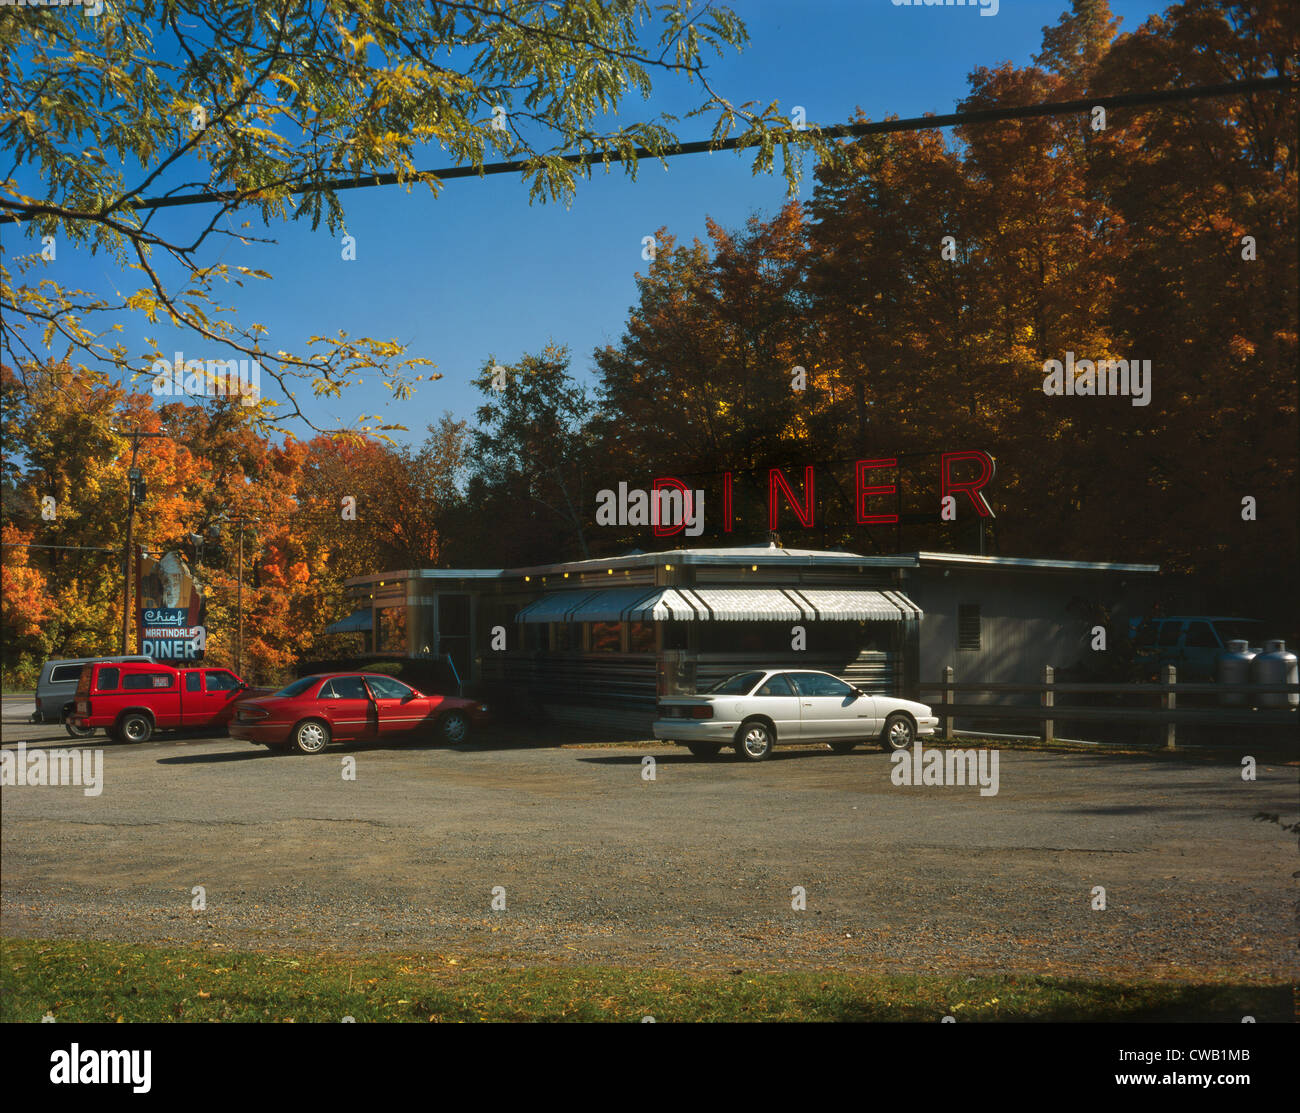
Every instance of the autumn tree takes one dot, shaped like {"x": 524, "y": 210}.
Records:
{"x": 66, "y": 461}
{"x": 259, "y": 520}
{"x": 943, "y": 275}
{"x": 274, "y": 108}
{"x": 715, "y": 365}
{"x": 530, "y": 480}
{"x": 1207, "y": 194}
{"x": 372, "y": 505}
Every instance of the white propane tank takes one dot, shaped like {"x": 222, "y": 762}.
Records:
{"x": 1275, "y": 666}
{"x": 1232, "y": 670}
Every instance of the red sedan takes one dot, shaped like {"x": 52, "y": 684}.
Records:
{"x": 353, "y": 707}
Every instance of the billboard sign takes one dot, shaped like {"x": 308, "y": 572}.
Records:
{"x": 172, "y": 610}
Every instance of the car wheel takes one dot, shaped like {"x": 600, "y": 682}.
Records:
{"x": 453, "y": 728}
{"x": 77, "y": 732}
{"x": 754, "y": 740}
{"x": 311, "y": 737}
{"x": 705, "y": 751}
{"x": 845, "y": 746}
{"x": 899, "y": 732}
{"x": 134, "y": 727}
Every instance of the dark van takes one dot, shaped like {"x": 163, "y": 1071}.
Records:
{"x": 1193, "y": 643}
{"x": 56, "y": 690}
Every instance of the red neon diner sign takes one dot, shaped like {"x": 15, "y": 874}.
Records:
{"x": 963, "y": 476}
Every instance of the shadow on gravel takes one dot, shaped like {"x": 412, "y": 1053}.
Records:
{"x": 727, "y": 757}
{"x": 64, "y": 742}
{"x": 530, "y": 740}
{"x": 217, "y": 759}
{"x": 1189, "y": 757}
{"x": 103, "y": 742}
{"x": 339, "y": 749}
{"x": 661, "y": 759}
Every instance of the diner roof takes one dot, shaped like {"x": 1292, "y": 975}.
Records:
{"x": 762, "y": 556}
{"x": 720, "y": 604}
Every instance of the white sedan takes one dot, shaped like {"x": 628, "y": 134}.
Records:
{"x": 752, "y": 711}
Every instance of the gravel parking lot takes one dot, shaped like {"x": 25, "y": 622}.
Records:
{"x": 694, "y": 868}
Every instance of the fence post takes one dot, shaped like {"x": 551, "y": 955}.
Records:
{"x": 947, "y": 699}
{"x": 1169, "y": 701}
{"x": 1049, "y": 700}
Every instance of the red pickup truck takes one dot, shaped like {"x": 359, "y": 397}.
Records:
{"x": 131, "y": 700}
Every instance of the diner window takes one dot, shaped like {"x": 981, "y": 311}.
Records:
{"x": 676, "y": 635}
{"x": 753, "y": 637}
{"x": 391, "y": 637}
{"x": 640, "y": 637}
{"x": 606, "y": 637}
{"x": 566, "y": 637}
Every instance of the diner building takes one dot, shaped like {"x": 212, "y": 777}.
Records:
{"x": 596, "y": 641}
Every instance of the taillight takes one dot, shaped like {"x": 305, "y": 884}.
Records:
{"x": 251, "y": 714}
{"x": 705, "y": 712}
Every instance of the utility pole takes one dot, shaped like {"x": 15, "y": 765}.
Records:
{"x": 135, "y": 494}
{"x": 239, "y": 607}
{"x": 239, "y": 521}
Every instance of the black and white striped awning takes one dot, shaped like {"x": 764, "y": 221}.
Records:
{"x": 721, "y": 604}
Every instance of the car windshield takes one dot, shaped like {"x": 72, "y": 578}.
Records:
{"x": 742, "y": 683}
{"x": 297, "y": 687}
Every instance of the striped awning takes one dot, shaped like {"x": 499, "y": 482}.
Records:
{"x": 740, "y": 604}
{"x": 721, "y": 604}
{"x": 356, "y": 622}
{"x": 859, "y": 606}
{"x": 665, "y": 604}
{"x": 558, "y": 606}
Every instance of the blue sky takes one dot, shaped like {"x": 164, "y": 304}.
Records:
{"x": 479, "y": 271}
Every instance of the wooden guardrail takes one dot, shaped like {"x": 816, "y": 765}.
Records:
{"x": 1166, "y": 715}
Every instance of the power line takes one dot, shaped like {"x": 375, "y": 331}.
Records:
{"x": 837, "y": 131}
{"x": 85, "y": 548}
